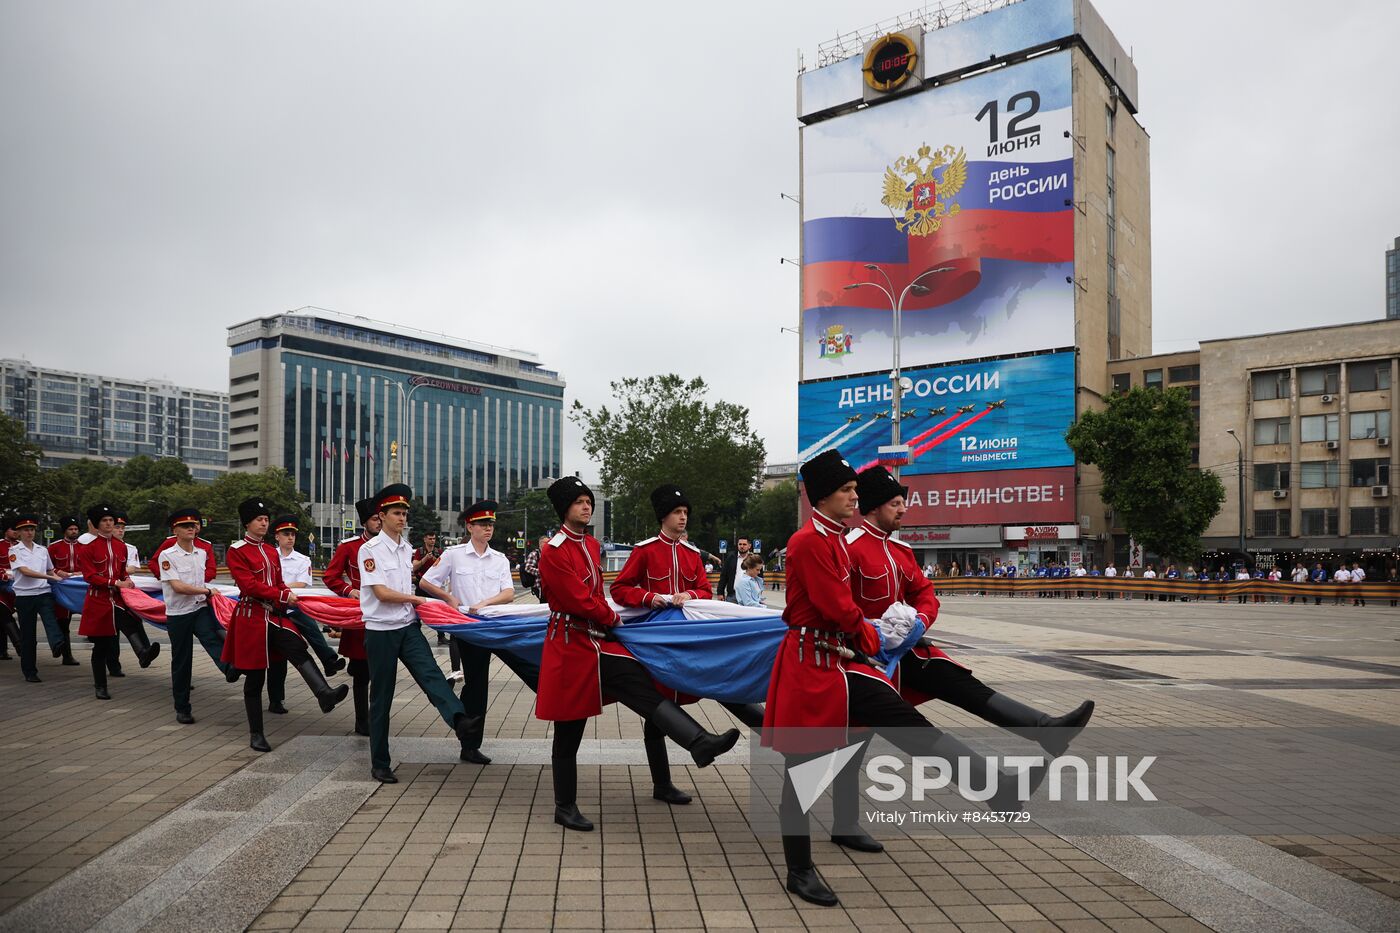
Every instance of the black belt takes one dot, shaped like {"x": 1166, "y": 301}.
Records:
{"x": 570, "y": 623}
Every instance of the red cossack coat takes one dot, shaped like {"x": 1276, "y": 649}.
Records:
{"x": 808, "y": 706}
{"x": 262, "y": 601}
{"x": 886, "y": 572}
{"x": 7, "y": 597}
{"x": 102, "y": 562}
{"x": 342, "y": 576}
{"x": 571, "y": 581}
{"x": 662, "y": 566}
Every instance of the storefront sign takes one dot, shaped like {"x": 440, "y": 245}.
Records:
{"x": 1040, "y": 533}
{"x": 976, "y": 535}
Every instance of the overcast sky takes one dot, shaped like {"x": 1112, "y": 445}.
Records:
{"x": 600, "y": 183}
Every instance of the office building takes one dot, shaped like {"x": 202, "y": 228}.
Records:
{"x": 77, "y": 416}
{"x": 334, "y": 398}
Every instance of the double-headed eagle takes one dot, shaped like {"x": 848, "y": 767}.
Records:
{"x": 919, "y": 206}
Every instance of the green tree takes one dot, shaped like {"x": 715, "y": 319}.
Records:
{"x": 23, "y": 486}
{"x": 219, "y": 500}
{"x": 1141, "y": 443}
{"x": 537, "y": 518}
{"x": 662, "y": 430}
{"x": 421, "y": 520}
{"x": 772, "y": 516}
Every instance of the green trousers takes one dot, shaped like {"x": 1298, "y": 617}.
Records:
{"x": 386, "y": 650}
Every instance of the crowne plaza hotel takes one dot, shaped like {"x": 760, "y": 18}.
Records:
{"x": 332, "y": 398}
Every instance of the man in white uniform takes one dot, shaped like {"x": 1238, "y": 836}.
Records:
{"x": 393, "y": 632}
{"x": 187, "y": 612}
{"x": 31, "y": 571}
{"x": 472, "y": 575}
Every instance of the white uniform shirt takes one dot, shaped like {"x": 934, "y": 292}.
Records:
{"x": 36, "y": 558}
{"x": 471, "y": 577}
{"x": 296, "y": 568}
{"x": 188, "y": 567}
{"x": 385, "y": 563}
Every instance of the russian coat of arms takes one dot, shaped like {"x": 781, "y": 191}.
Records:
{"x": 918, "y": 199}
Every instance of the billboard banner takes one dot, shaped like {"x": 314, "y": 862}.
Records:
{"x": 1001, "y": 498}
{"x": 966, "y": 190}
{"x": 964, "y": 418}
{"x": 992, "y": 500}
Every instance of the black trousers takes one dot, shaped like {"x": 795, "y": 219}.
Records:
{"x": 104, "y": 649}
{"x": 626, "y": 681}
{"x": 475, "y": 664}
{"x": 946, "y": 681}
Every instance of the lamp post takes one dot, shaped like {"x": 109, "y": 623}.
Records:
{"x": 897, "y": 310}
{"x": 404, "y": 399}
{"x": 1240, "y": 444}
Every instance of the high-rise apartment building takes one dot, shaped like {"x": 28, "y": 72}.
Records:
{"x": 75, "y": 416}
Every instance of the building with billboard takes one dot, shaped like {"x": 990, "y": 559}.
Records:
{"x": 333, "y": 398}
{"x": 981, "y": 168}
{"x": 84, "y": 416}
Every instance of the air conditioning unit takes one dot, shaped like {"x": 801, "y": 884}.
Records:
{"x": 1380, "y": 492}
{"x": 1280, "y": 493}
{"x": 1382, "y": 442}
{"x": 1327, "y": 400}
{"x": 1333, "y": 445}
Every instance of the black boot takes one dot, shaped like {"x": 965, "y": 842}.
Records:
{"x": 360, "y": 687}
{"x": 327, "y": 696}
{"x": 146, "y": 652}
{"x": 68, "y": 659}
{"x": 803, "y": 879}
{"x": 99, "y": 673}
{"x": 1054, "y": 733}
{"x": 661, "y": 787}
{"x": 846, "y": 830}
{"x": 11, "y": 634}
{"x": 750, "y": 714}
{"x": 566, "y": 813}
{"x": 676, "y": 724}
{"x": 252, "y": 705}
{"x": 334, "y": 666}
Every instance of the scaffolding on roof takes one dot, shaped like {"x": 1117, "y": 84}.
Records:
{"x": 929, "y": 16}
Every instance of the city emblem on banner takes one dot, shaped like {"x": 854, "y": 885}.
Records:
{"x": 919, "y": 204}
{"x": 836, "y": 342}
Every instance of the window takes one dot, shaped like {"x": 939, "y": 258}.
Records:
{"x": 1369, "y": 377}
{"x": 1366, "y": 425}
{"x": 1319, "y": 522}
{"x": 1270, "y": 476}
{"x": 1108, "y": 125}
{"x": 1152, "y": 378}
{"x": 1319, "y": 428}
{"x": 1271, "y": 431}
{"x": 1319, "y": 474}
{"x": 1273, "y": 522}
{"x": 1122, "y": 382}
{"x": 1271, "y": 385}
{"x": 1319, "y": 380}
{"x": 1370, "y": 521}
{"x": 1194, "y": 392}
{"x": 1370, "y": 472}
{"x": 1184, "y": 374}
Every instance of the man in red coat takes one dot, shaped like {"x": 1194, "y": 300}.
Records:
{"x": 260, "y": 631}
{"x": 9, "y": 627}
{"x": 102, "y": 562}
{"x": 64, "y": 554}
{"x": 822, "y": 683}
{"x": 667, "y": 571}
{"x": 581, "y": 664}
{"x": 342, "y": 577}
{"x": 886, "y": 573}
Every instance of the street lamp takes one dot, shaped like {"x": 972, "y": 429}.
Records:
{"x": 1231, "y": 432}
{"x": 897, "y": 309}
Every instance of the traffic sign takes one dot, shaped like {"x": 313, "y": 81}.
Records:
{"x": 757, "y": 545}
{"x": 348, "y": 525}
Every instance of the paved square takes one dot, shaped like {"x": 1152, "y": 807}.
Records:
{"x": 116, "y": 818}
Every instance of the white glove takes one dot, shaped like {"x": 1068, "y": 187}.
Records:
{"x": 899, "y": 619}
